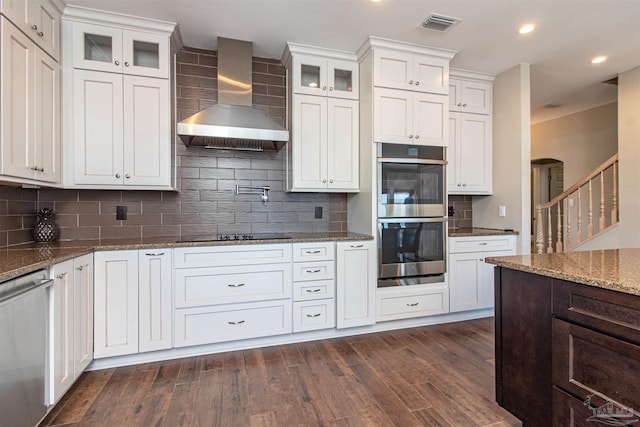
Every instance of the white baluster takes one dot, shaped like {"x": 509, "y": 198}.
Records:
{"x": 590, "y": 224}
{"x": 579, "y": 228}
{"x": 549, "y": 233}
{"x": 569, "y": 240}
{"x": 601, "y": 222}
{"x": 614, "y": 196}
{"x": 559, "y": 238}
{"x": 539, "y": 231}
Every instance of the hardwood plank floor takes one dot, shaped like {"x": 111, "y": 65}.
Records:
{"x": 439, "y": 375}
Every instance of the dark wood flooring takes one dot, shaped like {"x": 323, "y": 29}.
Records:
{"x": 428, "y": 376}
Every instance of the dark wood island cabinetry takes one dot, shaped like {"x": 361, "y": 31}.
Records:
{"x": 568, "y": 338}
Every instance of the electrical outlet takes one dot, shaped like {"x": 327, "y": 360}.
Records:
{"x": 318, "y": 212}
{"x": 121, "y": 213}
{"x": 502, "y": 211}
{"x": 451, "y": 211}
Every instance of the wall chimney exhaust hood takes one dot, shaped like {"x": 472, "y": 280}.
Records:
{"x": 233, "y": 123}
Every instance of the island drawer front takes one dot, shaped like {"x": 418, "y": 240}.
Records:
{"x": 314, "y": 251}
{"x": 223, "y": 285}
{"x": 314, "y": 315}
{"x": 315, "y": 270}
{"x": 400, "y": 306}
{"x": 482, "y": 244}
{"x": 608, "y": 311}
{"x": 205, "y": 325}
{"x": 569, "y": 411}
{"x": 224, "y": 255}
{"x": 313, "y": 290}
{"x": 585, "y": 360}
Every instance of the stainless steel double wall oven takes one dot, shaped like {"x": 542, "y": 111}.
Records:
{"x": 411, "y": 214}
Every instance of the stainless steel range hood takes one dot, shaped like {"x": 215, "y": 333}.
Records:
{"x": 233, "y": 123}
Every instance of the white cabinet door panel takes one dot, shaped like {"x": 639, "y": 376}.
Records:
{"x": 393, "y": 115}
{"x": 155, "y": 330}
{"x": 342, "y": 144}
{"x": 356, "y": 276}
{"x": 430, "y": 118}
{"x": 47, "y": 118}
{"x": 310, "y": 137}
{"x": 83, "y": 319}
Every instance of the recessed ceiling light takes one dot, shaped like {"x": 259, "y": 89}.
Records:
{"x": 376, "y": 1}
{"x": 598, "y": 59}
{"x": 526, "y": 29}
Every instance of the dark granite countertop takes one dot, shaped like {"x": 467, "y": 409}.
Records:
{"x": 479, "y": 231}
{"x": 613, "y": 269}
{"x": 23, "y": 259}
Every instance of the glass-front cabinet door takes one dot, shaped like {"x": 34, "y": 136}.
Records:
{"x": 325, "y": 77}
{"x": 104, "y": 48}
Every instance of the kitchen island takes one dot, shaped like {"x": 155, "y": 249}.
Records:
{"x": 568, "y": 337}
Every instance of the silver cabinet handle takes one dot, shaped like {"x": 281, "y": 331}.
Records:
{"x": 459, "y": 104}
{"x": 313, "y": 252}
{"x": 412, "y": 305}
{"x": 314, "y": 315}
{"x": 40, "y": 34}
{"x": 410, "y": 82}
{"x": 464, "y": 185}
{"x": 127, "y": 176}
{"x": 235, "y": 285}
{"x": 154, "y": 254}
{"x": 34, "y": 27}
{"x": 330, "y": 181}
{"x": 483, "y": 243}
{"x": 117, "y": 175}
{"x": 482, "y": 259}
{"x": 237, "y": 322}
{"x": 80, "y": 268}
{"x": 313, "y": 271}
{"x": 417, "y": 83}
{"x": 464, "y": 105}
{"x": 34, "y": 168}
{"x": 356, "y": 246}
{"x": 312, "y": 291}
{"x": 417, "y": 136}
{"x": 410, "y": 136}
{"x": 126, "y": 64}
{"x": 116, "y": 62}
{"x": 324, "y": 88}
{"x": 324, "y": 181}
{"x": 459, "y": 185}
{"x": 61, "y": 275}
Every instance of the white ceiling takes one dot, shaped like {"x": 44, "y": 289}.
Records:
{"x": 568, "y": 34}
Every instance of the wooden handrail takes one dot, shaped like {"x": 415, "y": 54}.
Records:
{"x": 580, "y": 183}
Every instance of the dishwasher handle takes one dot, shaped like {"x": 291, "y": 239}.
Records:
{"x": 22, "y": 288}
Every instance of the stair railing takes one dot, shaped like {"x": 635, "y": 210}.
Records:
{"x": 559, "y": 212}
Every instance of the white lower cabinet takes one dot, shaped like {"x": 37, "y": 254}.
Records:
{"x": 71, "y": 333}
{"x": 225, "y": 293}
{"x": 412, "y": 301}
{"x": 132, "y": 302}
{"x": 356, "y": 280}
{"x": 470, "y": 278}
{"x": 314, "y": 268}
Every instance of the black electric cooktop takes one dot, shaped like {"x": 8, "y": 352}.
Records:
{"x": 235, "y": 236}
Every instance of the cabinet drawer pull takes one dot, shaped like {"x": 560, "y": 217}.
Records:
{"x": 356, "y": 246}
{"x": 154, "y": 254}
{"x": 483, "y": 243}
{"x": 313, "y": 271}
{"x": 313, "y": 291}
{"x": 235, "y": 285}
{"x": 314, "y": 315}
{"x": 412, "y": 304}
{"x": 237, "y": 322}
{"x": 313, "y": 252}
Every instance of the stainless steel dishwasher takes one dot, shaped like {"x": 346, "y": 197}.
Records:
{"x": 24, "y": 322}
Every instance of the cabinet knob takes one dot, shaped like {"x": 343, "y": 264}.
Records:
{"x": 126, "y": 64}
{"x": 410, "y": 136}
{"x": 117, "y": 175}
{"x": 417, "y": 136}
{"x": 116, "y": 62}
{"x": 79, "y": 268}
{"x": 40, "y": 34}
{"x": 330, "y": 89}
{"x": 127, "y": 176}
{"x": 34, "y": 27}
{"x": 417, "y": 83}
{"x": 459, "y": 185}
{"x": 34, "y": 168}
{"x": 410, "y": 82}
{"x": 464, "y": 185}
{"x": 482, "y": 259}
{"x": 464, "y": 105}
{"x": 459, "y": 104}
{"x": 324, "y": 88}
{"x": 324, "y": 181}
{"x": 330, "y": 181}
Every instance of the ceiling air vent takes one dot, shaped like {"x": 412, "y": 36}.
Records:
{"x": 439, "y": 22}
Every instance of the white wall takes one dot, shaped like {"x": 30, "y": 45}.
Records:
{"x": 511, "y": 158}
{"x": 581, "y": 141}
{"x": 629, "y": 157}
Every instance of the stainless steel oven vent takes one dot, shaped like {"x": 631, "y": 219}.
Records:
{"x": 239, "y": 144}
{"x": 439, "y": 22}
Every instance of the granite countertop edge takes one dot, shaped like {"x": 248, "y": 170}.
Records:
{"x": 515, "y": 263}
{"x": 23, "y": 259}
{"x": 480, "y": 231}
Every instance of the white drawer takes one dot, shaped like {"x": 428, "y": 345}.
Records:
{"x": 312, "y": 290}
{"x": 315, "y": 270}
{"x": 482, "y": 244}
{"x": 224, "y": 255}
{"x": 314, "y": 251}
{"x": 206, "y": 325}
{"x": 222, "y": 285}
{"x": 435, "y": 300}
{"x": 312, "y": 315}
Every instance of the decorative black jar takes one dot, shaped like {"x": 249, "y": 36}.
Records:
{"x": 45, "y": 229}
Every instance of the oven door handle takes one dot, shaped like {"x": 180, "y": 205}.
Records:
{"x": 412, "y": 161}
{"x": 411, "y": 220}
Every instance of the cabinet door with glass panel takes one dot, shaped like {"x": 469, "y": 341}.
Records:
{"x": 105, "y": 48}
{"x": 315, "y": 75}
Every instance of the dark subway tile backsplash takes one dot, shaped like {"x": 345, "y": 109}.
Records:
{"x": 205, "y": 202}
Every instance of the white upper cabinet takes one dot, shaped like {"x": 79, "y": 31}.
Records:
{"x": 38, "y": 19}
{"x": 469, "y": 96}
{"x": 410, "y": 71}
{"x": 112, "y": 49}
{"x": 469, "y": 170}
{"x": 30, "y": 86}
{"x": 313, "y": 75}
{"x": 409, "y": 118}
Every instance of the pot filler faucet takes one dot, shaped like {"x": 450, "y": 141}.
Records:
{"x": 263, "y": 191}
